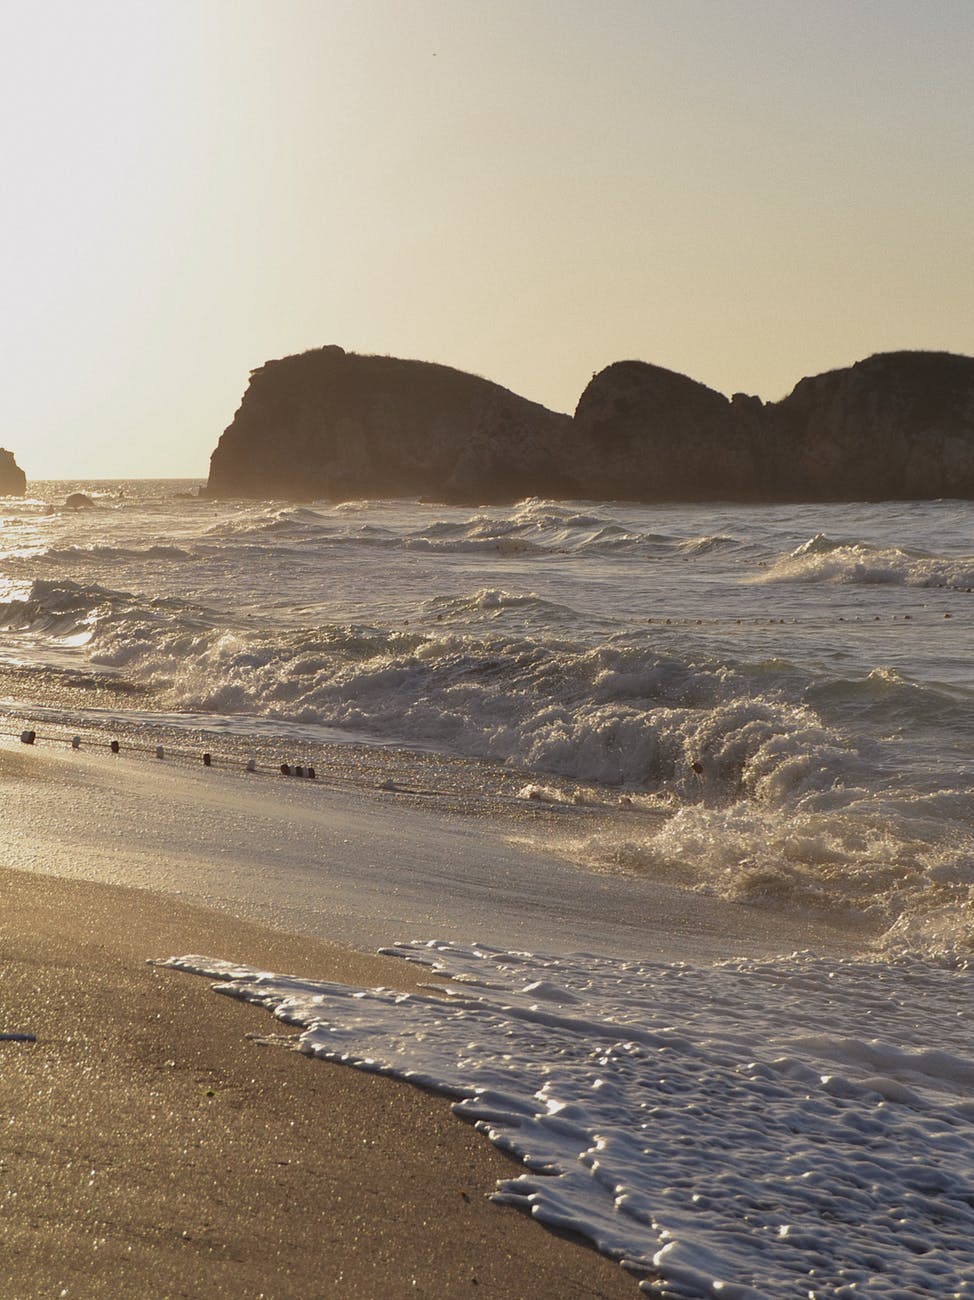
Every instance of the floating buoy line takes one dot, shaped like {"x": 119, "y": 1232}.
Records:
{"x": 206, "y": 758}
{"x": 302, "y": 771}
{"x": 772, "y": 621}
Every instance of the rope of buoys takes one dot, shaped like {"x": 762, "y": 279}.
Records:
{"x": 301, "y": 771}
{"x": 30, "y": 736}
{"x": 762, "y": 621}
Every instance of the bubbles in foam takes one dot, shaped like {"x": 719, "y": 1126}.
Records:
{"x": 781, "y": 1128}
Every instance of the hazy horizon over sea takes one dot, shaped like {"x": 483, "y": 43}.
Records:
{"x": 769, "y": 705}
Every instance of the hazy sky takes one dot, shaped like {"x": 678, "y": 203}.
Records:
{"x": 746, "y": 191}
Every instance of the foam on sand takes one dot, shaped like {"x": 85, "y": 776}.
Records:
{"x": 797, "y": 1127}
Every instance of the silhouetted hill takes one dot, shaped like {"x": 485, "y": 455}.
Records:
{"x": 336, "y": 425}
{"x": 650, "y": 434}
{"x": 897, "y": 425}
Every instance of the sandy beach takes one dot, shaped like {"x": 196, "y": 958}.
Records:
{"x": 150, "y": 1148}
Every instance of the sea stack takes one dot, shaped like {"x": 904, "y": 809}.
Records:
{"x": 335, "y": 425}
{"x": 13, "y": 480}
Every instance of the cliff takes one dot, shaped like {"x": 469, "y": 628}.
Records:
{"x": 899, "y": 425}
{"x": 650, "y": 434}
{"x": 13, "y": 480}
{"x": 335, "y": 425}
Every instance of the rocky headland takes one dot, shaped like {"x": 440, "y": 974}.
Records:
{"x": 13, "y": 480}
{"x": 335, "y": 425}
{"x": 338, "y": 425}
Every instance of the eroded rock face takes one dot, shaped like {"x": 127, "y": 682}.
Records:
{"x": 899, "y": 425}
{"x": 336, "y": 425}
{"x": 649, "y": 434}
{"x": 333, "y": 425}
{"x": 13, "y": 480}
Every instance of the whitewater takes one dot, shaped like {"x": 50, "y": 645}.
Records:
{"x": 761, "y": 706}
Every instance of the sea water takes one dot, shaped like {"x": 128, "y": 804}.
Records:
{"x": 788, "y": 689}
{"x": 768, "y": 704}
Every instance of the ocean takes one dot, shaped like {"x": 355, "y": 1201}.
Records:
{"x": 765, "y": 705}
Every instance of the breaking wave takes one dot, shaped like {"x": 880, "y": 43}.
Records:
{"x": 821, "y": 559}
{"x": 110, "y": 554}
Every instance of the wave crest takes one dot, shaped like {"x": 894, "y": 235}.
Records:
{"x": 821, "y": 559}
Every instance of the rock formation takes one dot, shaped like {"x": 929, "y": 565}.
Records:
{"x": 650, "y": 434}
{"x": 335, "y": 425}
{"x": 898, "y": 425}
{"x": 13, "y": 480}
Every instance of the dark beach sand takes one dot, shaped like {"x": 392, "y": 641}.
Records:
{"x": 149, "y": 1148}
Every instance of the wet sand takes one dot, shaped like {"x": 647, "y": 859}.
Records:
{"x": 149, "y": 1147}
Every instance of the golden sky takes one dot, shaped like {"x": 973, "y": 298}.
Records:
{"x": 745, "y": 191}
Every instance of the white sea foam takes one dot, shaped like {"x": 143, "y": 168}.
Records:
{"x": 903, "y": 870}
{"x": 616, "y": 714}
{"x": 823, "y": 560}
{"x": 793, "y": 1128}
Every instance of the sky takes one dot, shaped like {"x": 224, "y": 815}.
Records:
{"x": 745, "y": 191}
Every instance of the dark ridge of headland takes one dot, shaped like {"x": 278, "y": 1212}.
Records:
{"x": 337, "y": 425}
{"x": 334, "y": 425}
{"x": 13, "y": 480}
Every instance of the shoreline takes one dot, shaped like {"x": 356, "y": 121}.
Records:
{"x": 366, "y": 867}
{"x": 151, "y": 1148}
